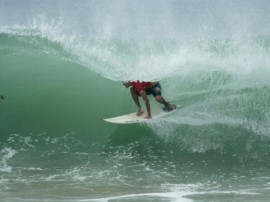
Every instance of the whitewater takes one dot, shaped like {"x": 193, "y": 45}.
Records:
{"x": 62, "y": 64}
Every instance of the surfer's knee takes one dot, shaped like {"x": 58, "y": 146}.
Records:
{"x": 159, "y": 98}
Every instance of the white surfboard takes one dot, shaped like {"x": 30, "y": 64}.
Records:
{"x": 133, "y": 118}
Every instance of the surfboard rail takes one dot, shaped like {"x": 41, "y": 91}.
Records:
{"x": 133, "y": 118}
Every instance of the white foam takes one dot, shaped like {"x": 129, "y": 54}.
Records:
{"x": 176, "y": 193}
{"x": 173, "y": 196}
{"x": 6, "y": 154}
{"x": 145, "y": 60}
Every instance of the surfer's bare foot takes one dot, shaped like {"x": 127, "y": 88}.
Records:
{"x": 139, "y": 112}
{"x": 171, "y": 106}
{"x": 148, "y": 117}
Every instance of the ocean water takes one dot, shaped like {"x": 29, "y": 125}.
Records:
{"x": 61, "y": 68}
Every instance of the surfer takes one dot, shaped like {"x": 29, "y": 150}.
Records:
{"x": 144, "y": 88}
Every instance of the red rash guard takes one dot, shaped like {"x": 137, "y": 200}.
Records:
{"x": 141, "y": 86}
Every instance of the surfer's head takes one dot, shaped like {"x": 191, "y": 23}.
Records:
{"x": 127, "y": 84}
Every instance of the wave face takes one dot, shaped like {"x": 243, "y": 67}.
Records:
{"x": 61, "y": 67}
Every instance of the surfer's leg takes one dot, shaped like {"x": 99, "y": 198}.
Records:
{"x": 161, "y": 100}
{"x": 156, "y": 91}
{"x": 135, "y": 98}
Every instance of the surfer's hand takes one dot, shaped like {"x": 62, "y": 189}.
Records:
{"x": 148, "y": 117}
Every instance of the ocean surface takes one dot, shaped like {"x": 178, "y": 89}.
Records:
{"x": 62, "y": 64}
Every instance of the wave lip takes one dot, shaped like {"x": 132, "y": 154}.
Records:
{"x": 220, "y": 84}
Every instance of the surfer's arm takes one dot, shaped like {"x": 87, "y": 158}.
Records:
{"x": 147, "y": 104}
